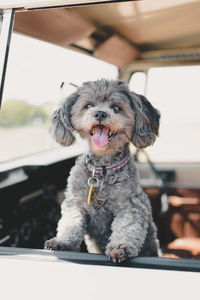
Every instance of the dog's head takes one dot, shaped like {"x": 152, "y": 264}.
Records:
{"x": 108, "y": 115}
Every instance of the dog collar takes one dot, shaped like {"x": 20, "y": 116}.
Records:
{"x": 103, "y": 170}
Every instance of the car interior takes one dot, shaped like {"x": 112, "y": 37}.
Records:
{"x": 136, "y": 37}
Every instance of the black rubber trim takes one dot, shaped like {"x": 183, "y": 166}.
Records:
{"x": 2, "y": 80}
{"x": 159, "y": 263}
{"x": 82, "y": 49}
{"x": 78, "y": 4}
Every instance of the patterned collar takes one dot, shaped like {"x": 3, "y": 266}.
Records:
{"x": 103, "y": 170}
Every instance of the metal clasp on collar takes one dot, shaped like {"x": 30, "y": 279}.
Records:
{"x": 93, "y": 182}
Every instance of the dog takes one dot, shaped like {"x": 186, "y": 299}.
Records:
{"x": 104, "y": 202}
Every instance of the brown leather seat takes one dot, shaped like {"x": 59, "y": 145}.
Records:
{"x": 186, "y": 247}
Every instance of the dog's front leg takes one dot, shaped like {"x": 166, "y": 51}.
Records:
{"x": 71, "y": 230}
{"x": 129, "y": 230}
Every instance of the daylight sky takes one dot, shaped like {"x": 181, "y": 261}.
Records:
{"x": 36, "y": 70}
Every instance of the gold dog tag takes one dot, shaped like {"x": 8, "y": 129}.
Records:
{"x": 90, "y": 194}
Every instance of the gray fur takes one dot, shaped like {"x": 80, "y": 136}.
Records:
{"x": 61, "y": 128}
{"x": 118, "y": 222}
{"x": 147, "y": 121}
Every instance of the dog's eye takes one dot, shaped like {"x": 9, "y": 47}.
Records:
{"x": 88, "y": 106}
{"x": 116, "y": 108}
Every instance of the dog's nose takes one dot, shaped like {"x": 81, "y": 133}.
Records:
{"x": 100, "y": 115}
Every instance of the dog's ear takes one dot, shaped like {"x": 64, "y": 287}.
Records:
{"x": 61, "y": 128}
{"x": 146, "y": 121}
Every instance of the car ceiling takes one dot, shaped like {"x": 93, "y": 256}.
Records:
{"x": 116, "y": 32}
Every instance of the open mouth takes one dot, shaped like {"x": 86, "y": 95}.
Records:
{"x": 101, "y": 135}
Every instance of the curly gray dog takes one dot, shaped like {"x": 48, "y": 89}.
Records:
{"x": 104, "y": 203}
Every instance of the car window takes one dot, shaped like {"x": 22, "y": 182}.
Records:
{"x": 35, "y": 73}
{"x": 175, "y": 92}
{"x": 137, "y": 82}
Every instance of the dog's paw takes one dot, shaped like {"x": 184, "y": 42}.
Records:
{"x": 122, "y": 252}
{"x": 55, "y": 244}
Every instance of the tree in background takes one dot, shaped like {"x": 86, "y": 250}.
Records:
{"x": 18, "y": 113}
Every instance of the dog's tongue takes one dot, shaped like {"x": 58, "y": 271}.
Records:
{"x": 100, "y": 137}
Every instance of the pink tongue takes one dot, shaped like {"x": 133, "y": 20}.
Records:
{"x": 100, "y": 137}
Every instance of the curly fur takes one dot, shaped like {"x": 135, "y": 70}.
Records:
{"x": 119, "y": 221}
